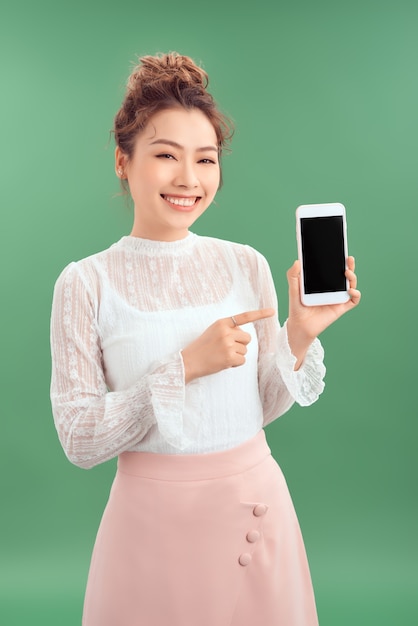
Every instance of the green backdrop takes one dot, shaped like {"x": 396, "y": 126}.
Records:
{"x": 324, "y": 95}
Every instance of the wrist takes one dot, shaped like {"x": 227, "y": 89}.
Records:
{"x": 188, "y": 372}
{"x": 299, "y": 341}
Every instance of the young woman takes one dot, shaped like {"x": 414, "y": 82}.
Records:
{"x": 167, "y": 352}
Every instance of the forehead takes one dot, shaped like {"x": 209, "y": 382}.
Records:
{"x": 188, "y": 128}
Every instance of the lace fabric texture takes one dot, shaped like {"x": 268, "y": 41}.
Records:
{"x": 120, "y": 319}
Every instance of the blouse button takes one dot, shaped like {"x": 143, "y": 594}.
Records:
{"x": 260, "y": 509}
{"x": 253, "y": 536}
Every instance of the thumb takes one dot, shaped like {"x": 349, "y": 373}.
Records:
{"x": 293, "y": 276}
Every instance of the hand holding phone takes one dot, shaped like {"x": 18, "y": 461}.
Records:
{"x": 322, "y": 249}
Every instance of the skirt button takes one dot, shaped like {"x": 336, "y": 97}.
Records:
{"x": 244, "y": 558}
{"x": 253, "y": 536}
{"x": 260, "y": 509}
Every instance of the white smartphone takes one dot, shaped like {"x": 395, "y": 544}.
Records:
{"x": 322, "y": 249}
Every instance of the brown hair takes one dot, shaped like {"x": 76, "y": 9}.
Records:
{"x": 166, "y": 81}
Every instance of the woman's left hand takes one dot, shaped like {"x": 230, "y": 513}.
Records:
{"x": 307, "y": 322}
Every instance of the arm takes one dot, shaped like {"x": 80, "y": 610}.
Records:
{"x": 283, "y": 377}
{"x": 93, "y": 424}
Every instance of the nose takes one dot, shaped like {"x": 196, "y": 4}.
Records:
{"x": 186, "y": 175}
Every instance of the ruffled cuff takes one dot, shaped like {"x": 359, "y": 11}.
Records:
{"x": 306, "y": 384}
{"x": 177, "y": 426}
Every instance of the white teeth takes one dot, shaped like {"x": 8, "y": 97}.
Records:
{"x": 181, "y": 201}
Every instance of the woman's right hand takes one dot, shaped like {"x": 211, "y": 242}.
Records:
{"x": 221, "y": 346}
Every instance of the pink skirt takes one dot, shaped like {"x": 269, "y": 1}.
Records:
{"x": 200, "y": 540}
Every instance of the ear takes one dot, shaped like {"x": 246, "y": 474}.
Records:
{"x": 120, "y": 163}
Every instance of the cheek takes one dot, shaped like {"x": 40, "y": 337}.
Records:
{"x": 214, "y": 180}
{"x": 149, "y": 170}
{"x": 148, "y": 178}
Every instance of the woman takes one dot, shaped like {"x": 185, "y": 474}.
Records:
{"x": 167, "y": 353}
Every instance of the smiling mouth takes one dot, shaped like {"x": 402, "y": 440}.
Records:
{"x": 182, "y": 202}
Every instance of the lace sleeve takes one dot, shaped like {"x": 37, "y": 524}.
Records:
{"x": 305, "y": 384}
{"x": 280, "y": 385}
{"x": 94, "y": 424}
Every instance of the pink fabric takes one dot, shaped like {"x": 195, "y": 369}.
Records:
{"x": 200, "y": 540}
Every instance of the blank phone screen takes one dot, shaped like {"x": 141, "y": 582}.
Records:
{"x": 323, "y": 254}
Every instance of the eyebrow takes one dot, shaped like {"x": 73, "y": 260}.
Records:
{"x": 174, "y": 144}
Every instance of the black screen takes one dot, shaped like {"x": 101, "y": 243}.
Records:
{"x": 323, "y": 254}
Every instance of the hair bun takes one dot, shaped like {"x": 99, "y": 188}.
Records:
{"x": 172, "y": 67}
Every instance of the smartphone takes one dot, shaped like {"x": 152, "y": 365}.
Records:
{"x": 321, "y": 231}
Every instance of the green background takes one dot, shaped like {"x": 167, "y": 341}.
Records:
{"x": 324, "y": 96}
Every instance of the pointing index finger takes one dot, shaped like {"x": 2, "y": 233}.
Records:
{"x": 253, "y": 316}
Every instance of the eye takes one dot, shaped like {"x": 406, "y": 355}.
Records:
{"x": 208, "y": 161}
{"x": 165, "y": 155}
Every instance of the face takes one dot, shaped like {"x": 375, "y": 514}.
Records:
{"x": 173, "y": 174}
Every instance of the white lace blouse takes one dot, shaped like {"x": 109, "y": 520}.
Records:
{"x": 120, "y": 319}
